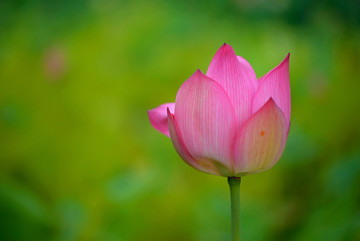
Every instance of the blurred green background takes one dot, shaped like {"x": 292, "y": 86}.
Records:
{"x": 80, "y": 161}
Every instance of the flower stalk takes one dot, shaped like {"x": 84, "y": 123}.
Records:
{"x": 234, "y": 183}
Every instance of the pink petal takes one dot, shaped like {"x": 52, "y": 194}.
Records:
{"x": 276, "y": 85}
{"x": 261, "y": 141}
{"x": 237, "y": 78}
{"x": 158, "y": 117}
{"x": 206, "y": 121}
{"x": 249, "y": 71}
{"x": 181, "y": 148}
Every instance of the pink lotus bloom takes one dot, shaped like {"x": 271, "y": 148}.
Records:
{"x": 228, "y": 122}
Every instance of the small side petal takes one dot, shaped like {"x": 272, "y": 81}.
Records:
{"x": 236, "y": 78}
{"x": 261, "y": 141}
{"x": 276, "y": 85}
{"x": 206, "y": 120}
{"x": 181, "y": 148}
{"x": 158, "y": 117}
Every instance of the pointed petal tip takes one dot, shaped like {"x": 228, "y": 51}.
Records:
{"x": 198, "y": 75}
{"x": 198, "y": 71}
{"x": 270, "y": 100}
{"x": 286, "y": 59}
{"x": 272, "y": 103}
{"x": 226, "y": 47}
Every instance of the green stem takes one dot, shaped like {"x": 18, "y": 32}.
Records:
{"x": 234, "y": 183}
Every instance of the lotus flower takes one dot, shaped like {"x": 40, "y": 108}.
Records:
{"x": 228, "y": 122}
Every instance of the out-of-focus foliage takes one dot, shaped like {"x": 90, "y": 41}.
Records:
{"x": 80, "y": 161}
